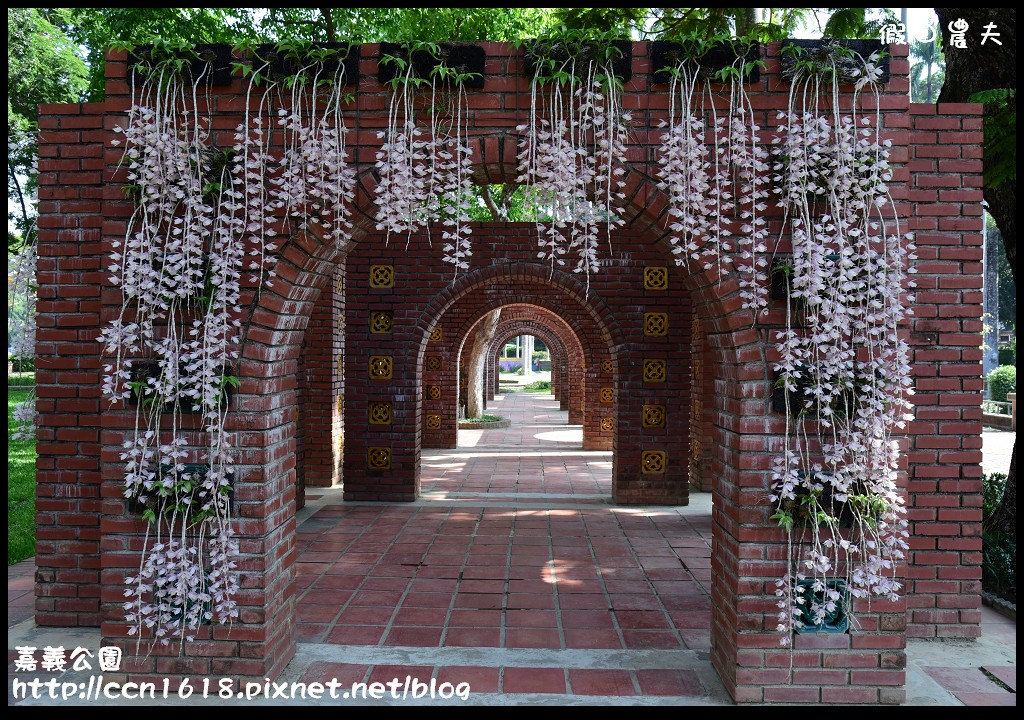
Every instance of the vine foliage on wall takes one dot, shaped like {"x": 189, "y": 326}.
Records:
{"x": 200, "y": 240}
{"x": 713, "y": 169}
{"x": 574, "y": 145}
{"x": 424, "y": 171}
{"x": 843, "y": 363}
{"x": 843, "y": 368}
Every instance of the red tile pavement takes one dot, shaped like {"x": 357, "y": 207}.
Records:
{"x": 480, "y": 679}
{"x": 669, "y": 682}
{"x": 1006, "y": 674}
{"x": 601, "y": 682}
{"x": 534, "y": 680}
{"x": 1001, "y": 699}
{"x": 522, "y": 559}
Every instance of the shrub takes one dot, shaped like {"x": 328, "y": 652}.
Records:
{"x": 999, "y": 550}
{"x": 992, "y": 488}
{"x": 1008, "y": 354}
{"x": 511, "y": 366}
{"x": 1001, "y": 381}
{"x": 23, "y": 365}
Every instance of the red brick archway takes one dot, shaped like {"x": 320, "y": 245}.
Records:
{"x": 88, "y": 539}
{"x": 567, "y": 359}
{"x": 596, "y": 374}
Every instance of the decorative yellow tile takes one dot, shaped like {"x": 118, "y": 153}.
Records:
{"x": 382, "y": 276}
{"x": 434, "y": 422}
{"x": 380, "y": 367}
{"x": 583, "y": 405}
{"x": 653, "y": 416}
{"x": 378, "y": 458}
{"x": 380, "y": 413}
{"x": 656, "y": 278}
{"x": 380, "y": 322}
{"x": 655, "y": 324}
{"x": 341, "y": 404}
{"x": 341, "y": 284}
{"x": 655, "y": 371}
{"x": 607, "y": 424}
{"x": 341, "y": 366}
{"x": 436, "y": 334}
{"x": 607, "y": 394}
{"x": 434, "y": 363}
{"x": 434, "y": 392}
{"x": 652, "y": 461}
{"x": 606, "y": 366}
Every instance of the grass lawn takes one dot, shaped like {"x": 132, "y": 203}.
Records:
{"x": 21, "y": 489}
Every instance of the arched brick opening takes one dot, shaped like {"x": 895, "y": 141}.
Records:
{"x": 508, "y": 329}
{"x": 566, "y": 359}
{"x": 556, "y": 348}
{"x": 458, "y": 322}
{"x": 85, "y": 525}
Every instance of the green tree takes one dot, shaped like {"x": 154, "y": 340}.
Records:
{"x": 42, "y": 67}
{"x": 1007, "y": 287}
{"x": 927, "y": 71}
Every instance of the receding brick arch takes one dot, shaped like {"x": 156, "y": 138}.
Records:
{"x": 567, "y": 356}
{"x": 567, "y": 353}
{"x": 535, "y": 286}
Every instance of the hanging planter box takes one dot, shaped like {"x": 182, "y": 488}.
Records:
{"x": 215, "y": 55}
{"x": 462, "y": 58}
{"x": 799, "y": 510}
{"x": 622, "y": 66}
{"x": 843, "y": 404}
{"x": 835, "y": 622}
{"x": 823, "y": 51}
{"x": 284, "y": 64}
{"x": 142, "y": 371}
{"x": 781, "y": 278}
{"x": 198, "y": 473}
{"x": 667, "y": 55}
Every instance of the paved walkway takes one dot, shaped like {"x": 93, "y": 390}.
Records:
{"x": 539, "y": 453}
{"x": 514, "y": 573}
{"x": 996, "y": 449}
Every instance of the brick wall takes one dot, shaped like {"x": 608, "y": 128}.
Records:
{"x": 83, "y": 210}
{"x": 945, "y": 168}
{"x": 71, "y": 260}
{"x": 320, "y": 398}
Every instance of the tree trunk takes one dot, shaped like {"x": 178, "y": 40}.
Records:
{"x": 746, "y": 19}
{"x": 477, "y": 360}
{"x": 988, "y": 67}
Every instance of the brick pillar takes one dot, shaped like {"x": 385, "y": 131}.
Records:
{"x": 441, "y": 370}
{"x": 71, "y": 268}
{"x": 653, "y": 431}
{"x": 381, "y": 458}
{"x": 944, "y": 577}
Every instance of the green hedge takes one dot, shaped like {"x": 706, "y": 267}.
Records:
{"x": 1002, "y": 380}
